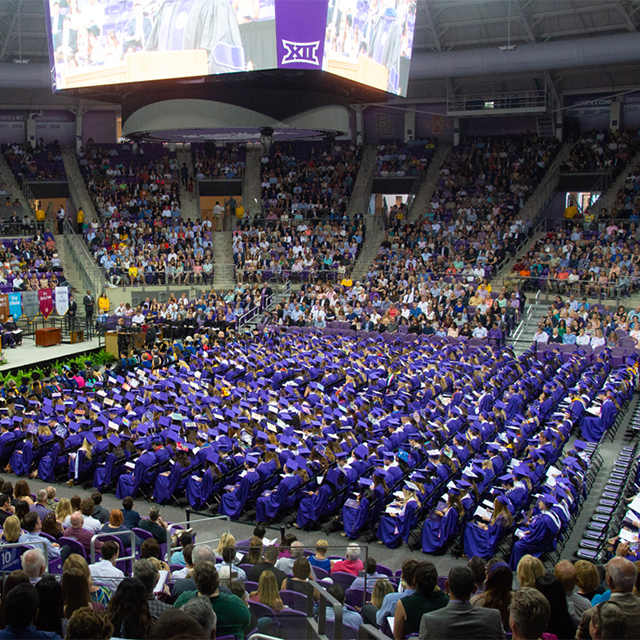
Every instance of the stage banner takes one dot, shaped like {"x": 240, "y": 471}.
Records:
{"x": 30, "y": 304}
{"x": 15, "y": 304}
{"x": 62, "y": 300}
{"x": 4, "y": 307}
{"x": 45, "y": 298}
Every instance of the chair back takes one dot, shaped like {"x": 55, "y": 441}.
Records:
{"x": 260, "y": 610}
{"x": 343, "y": 578}
{"x": 294, "y": 600}
{"x": 75, "y": 546}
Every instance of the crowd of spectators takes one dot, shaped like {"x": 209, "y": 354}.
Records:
{"x": 297, "y": 249}
{"x": 313, "y": 178}
{"x": 627, "y": 204}
{"x": 29, "y": 264}
{"x": 166, "y": 250}
{"x": 53, "y": 590}
{"x": 132, "y": 181}
{"x": 397, "y": 160}
{"x": 602, "y": 151}
{"x": 185, "y": 319}
{"x": 44, "y": 162}
{"x": 603, "y": 262}
{"x": 213, "y": 162}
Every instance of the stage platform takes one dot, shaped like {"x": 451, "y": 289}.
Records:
{"x": 29, "y": 355}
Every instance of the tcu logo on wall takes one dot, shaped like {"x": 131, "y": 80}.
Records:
{"x": 300, "y": 52}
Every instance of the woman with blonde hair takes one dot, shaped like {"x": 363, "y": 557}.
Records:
{"x": 529, "y": 570}
{"x": 588, "y": 579}
{"x": 11, "y": 529}
{"x": 380, "y": 589}
{"x": 98, "y": 594}
{"x": 267, "y": 592}
{"x": 320, "y": 560}
{"x": 63, "y": 510}
{"x": 226, "y": 540}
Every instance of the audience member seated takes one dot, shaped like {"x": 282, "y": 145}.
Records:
{"x": 529, "y": 614}
{"x": 148, "y": 574}
{"x": 21, "y": 610}
{"x": 351, "y": 619}
{"x": 459, "y": 618}
{"x": 267, "y": 564}
{"x": 128, "y": 610}
{"x": 352, "y": 563}
{"x": 87, "y": 623}
{"x": 105, "y": 572}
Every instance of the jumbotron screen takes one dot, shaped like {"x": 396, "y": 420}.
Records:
{"x": 105, "y": 42}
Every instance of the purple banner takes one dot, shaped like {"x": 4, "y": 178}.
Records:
{"x": 300, "y": 29}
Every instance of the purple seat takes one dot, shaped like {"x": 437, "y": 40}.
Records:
{"x": 74, "y": 545}
{"x": 260, "y": 610}
{"x": 343, "y": 578}
{"x": 294, "y": 600}
{"x": 355, "y": 597}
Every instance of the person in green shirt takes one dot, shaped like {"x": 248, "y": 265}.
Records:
{"x": 233, "y": 615}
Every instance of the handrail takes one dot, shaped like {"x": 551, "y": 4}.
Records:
{"x": 30, "y": 543}
{"x": 103, "y": 534}
{"x": 88, "y": 269}
{"x": 190, "y": 523}
{"x": 319, "y": 627}
{"x": 521, "y": 325}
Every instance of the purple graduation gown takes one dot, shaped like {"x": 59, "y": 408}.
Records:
{"x": 267, "y": 507}
{"x": 483, "y": 542}
{"x": 437, "y": 530}
{"x": 540, "y": 538}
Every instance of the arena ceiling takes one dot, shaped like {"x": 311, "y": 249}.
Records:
{"x": 442, "y": 26}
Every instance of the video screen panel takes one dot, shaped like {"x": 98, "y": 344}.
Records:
{"x": 105, "y": 42}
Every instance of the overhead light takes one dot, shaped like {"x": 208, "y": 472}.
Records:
{"x": 510, "y": 47}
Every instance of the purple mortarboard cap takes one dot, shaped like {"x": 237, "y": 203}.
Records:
{"x": 90, "y": 437}
{"x": 212, "y": 455}
{"x": 114, "y": 440}
{"x": 33, "y": 429}
{"x": 291, "y": 464}
{"x": 548, "y": 499}
{"x": 506, "y": 478}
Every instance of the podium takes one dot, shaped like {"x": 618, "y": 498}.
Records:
{"x": 77, "y": 336}
{"x": 48, "y": 337}
{"x": 111, "y": 343}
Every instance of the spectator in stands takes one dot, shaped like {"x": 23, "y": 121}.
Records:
{"x": 567, "y": 573}
{"x": 529, "y": 570}
{"x": 427, "y": 597}
{"x": 268, "y": 564}
{"x": 560, "y": 622}
{"x": 6, "y": 509}
{"x": 75, "y": 592}
{"x": 87, "y": 507}
{"x": 320, "y": 559}
{"x": 175, "y": 624}
{"x": 104, "y": 572}
{"x": 187, "y": 552}
{"x": 608, "y": 621}
{"x": 99, "y": 594}
{"x": 21, "y": 607}
{"x": 497, "y": 594}
{"x": 350, "y": 618}
{"x": 131, "y": 517}
{"x": 40, "y": 507}
{"x": 146, "y": 572}
{"x": 155, "y": 525}
{"x": 151, "y": 549}
{"x": 300, "y": 580}
{"x": 408, "y": 585}
{"x": 588, "y": 580}
{"x": 87, "y": 624}
{"x": 51, "y": 610}
{"x": 99, "y": 512}
{"x": 479, "y": 568}
{"x": 232, "y": 614}
{"x": 267, "y": 592}
{"x": 381, "y": 589}
{"x": 285, "y": 564}
{"x": 32, "y": 528}
{"x": 352, "y": 564}
{"x": 177, "y": 557}
{"x": 621, "y": 579}
{"x": 77, "y": 531}
{"x": 201, "y": 553}
{"x": 530, "y": 613}
{"x": 128, "y": 611}
{"x": 201, "y": 611}
{"x": 372, "y": 575}
{"x": 227, "y": 568}
{"x": 34, "y": 564}
{"x": 459, "y": 618}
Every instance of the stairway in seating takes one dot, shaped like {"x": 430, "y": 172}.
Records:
{"x": 545, "y": 126}
{"x": 361, "y": 194}
{"x": 189, "y": 206}
{"x": 251, "y": 189}
{"x": 77, "y": 187}
{"x": 224, "y": 269}
{"x": 425, "y": 193}
{"x": 70, "y": 270}
{"x": 10, "y": 184}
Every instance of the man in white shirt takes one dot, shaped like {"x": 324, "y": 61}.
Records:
{"x": 480, "y": 331}
{"x": 92, "y": 524}
{"x": 105, "y": 572}
{"x": 541, "y": 336}
{"x": 217, "y": 217}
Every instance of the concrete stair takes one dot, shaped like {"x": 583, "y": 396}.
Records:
{"x": 361, "y": 194}
{"x": 373, "y": 239}
{"x": 251, "y": 189}
{"x": 10, "y": 184}
{"x": 428, "y": 186}
{"x": 224, "y": 269}
{"x": 71, "y": 272}
{"x": 77, "y": 188}
{"x": 189, "y": 206}
{"x": 608, "y": 198}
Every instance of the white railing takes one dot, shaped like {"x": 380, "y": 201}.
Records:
{"x": 525, "y": 321}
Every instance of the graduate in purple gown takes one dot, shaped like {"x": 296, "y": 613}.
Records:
{"x": 234, "y": 499}
{"x": 482, "y": 538}
{"x": 442, "y": 523}
{"x": 270, "y": 502}
{"x": 21, "y": 458}
{"x": 313, "y": 505}
{"x": 594, "y": 427}
{"x": 358, "y": 512}
{"x": 199, "y": 489}
{"x": 167, "y": 481}
{"x": 540, "y": 534}
{"x": 400, "y": 517}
